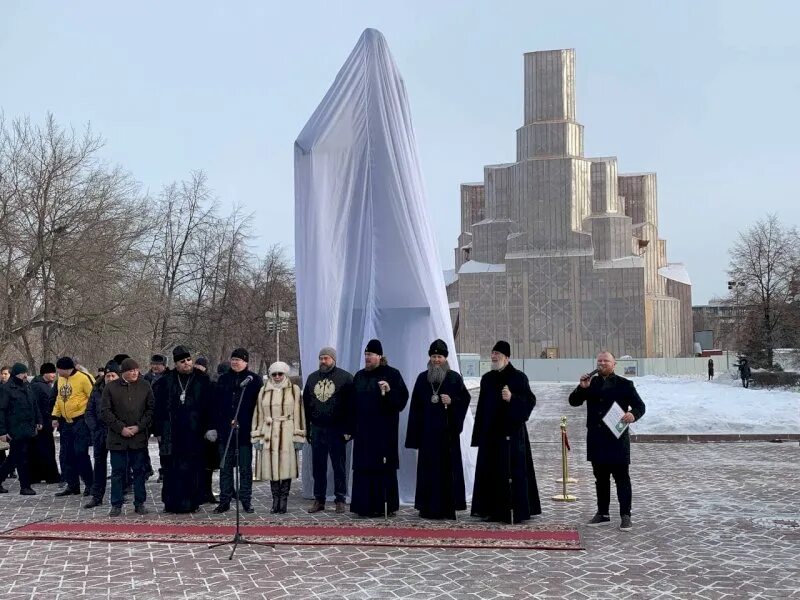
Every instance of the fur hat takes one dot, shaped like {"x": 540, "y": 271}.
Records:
{"x": 241, "y": 353}
{"x": 438, "y": 347}
{"x": 375, "y": 347}
{"x": 503, "y": 348}
{"x": 158, "y": 359}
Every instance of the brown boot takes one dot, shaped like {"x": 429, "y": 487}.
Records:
{"x": 341, "y": 507}
{"x": 316, "y": 507}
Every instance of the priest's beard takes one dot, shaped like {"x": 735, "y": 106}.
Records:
{"x": 436, "y": 374}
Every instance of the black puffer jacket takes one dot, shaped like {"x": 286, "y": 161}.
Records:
{"x": 19, "y": 411}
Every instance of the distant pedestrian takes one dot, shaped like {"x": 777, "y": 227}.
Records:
{"x": 710, "y": 369}
{"x": 744, "y": 372}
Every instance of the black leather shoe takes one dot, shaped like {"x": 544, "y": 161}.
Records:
{"x": 248, "y": 508}
{"x": 141, "y": 509}
{"x": 2, "y": 489}
{"x": 92, "y": 503}
{"x": 87, "y": 492}
{"x": 222, "y": 508}
{"x": 67, "y": 491}
{"x": 115, "y": 511}
{"x": 27, "y": 492}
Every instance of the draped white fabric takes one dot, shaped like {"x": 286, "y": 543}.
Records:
{"x": 366, "y": 258}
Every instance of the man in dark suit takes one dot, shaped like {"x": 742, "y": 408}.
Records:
{"x": 610, "y": 455}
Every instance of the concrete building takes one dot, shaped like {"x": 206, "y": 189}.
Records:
{"x": 559, "y": 253}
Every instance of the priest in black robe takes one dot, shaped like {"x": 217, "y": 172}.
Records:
{"x": 379, "y": 396}
{"x": 182, "y": 420}
{"x": 439, "y": 403}
{"x": 505, "y": 481}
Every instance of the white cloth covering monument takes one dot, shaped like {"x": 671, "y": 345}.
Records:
{"x": 366, "y": 258}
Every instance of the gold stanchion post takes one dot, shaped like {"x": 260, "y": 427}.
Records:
{"x": 564, "y": 496}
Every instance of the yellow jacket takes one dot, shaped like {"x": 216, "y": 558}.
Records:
{"x": 72, "y": 396}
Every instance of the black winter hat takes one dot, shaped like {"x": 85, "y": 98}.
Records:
{"x": 223, "y": 367}
{"x": 179, "y": 353}
{"x": 438, "y": 347}
{"x": 502, "y": 347}
{"x": 202, "y": 361}
{"x": 118, "y": 358}
{"x": 241, "y": 353}
{"x": 18, "y": 369}
{"x": 128, "y": 365}
{"x": 158, "y": 359}
{"x": 65, "y": 363}
{"x": 47, "y": 368}
{"x": 375, "y": 347}
{"x": 113, "y": 367}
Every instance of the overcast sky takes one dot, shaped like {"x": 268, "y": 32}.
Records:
{"x": 704, "y": 93}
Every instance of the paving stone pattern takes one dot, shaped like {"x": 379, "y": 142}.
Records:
{"x": 711, "y": 521}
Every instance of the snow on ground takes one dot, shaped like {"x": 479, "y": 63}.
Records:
{"x": 684, "y": 405}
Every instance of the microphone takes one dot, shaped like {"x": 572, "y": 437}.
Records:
{"x": 592, "y": 373}
{"x": 246, "y": 381}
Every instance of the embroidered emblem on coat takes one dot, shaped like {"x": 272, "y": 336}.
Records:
{"x": 324, "y": 390}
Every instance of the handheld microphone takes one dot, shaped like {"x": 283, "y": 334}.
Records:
{"x": 246, "y": 381}
{"x": 592, "y": 373}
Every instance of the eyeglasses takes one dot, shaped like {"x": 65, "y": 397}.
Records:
{"x": 277, "y": 374}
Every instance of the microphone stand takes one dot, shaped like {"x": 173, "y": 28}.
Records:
{"x": 238, "y": 538}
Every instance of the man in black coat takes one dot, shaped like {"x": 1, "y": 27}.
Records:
{"x": 379, "y": 396}
{"x": 182, "y": 418}
{"x": 19, "y": 423}
{"x": 505, "y": 480}
{"x": 327, "y": 396}
{"x": 43, "y": 447}
{"x": 609, "y": 454}
{"x": 439, "y": 404}
{"x": 228, "y": 391}
{"x": 99, "y": 429}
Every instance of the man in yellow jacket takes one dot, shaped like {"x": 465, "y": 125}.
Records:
{"x": 72, "y": 397}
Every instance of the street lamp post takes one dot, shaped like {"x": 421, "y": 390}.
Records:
{"x": 279, "y": 321}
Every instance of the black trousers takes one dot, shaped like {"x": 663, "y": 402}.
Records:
{"x": 602, "y": 481}
{"x": 17, "y": 458}
{"x": 245, "y": 474}
{"x": 327, "y": 442}
{"x": 100, "y": 466}
{"x": 75, "y": 441}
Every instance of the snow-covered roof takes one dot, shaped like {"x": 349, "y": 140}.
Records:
{"x": 626, "y": 262}
{"x": 676, "y": 272}
{"x": 473, "y": 266}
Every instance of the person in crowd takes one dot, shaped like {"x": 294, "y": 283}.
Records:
{"x": 5, "y": 374}
{"x": 505, "y": 480}
{"x": 710, "y": 369}
{"x": 158, "y": 366}
{"x": 182, "y": 419}
{"x": 72, "y": 396}
{"x": 128, "y": 413}
{"x": 43, "y": 448}
{"x": 439, "y": 404}
{"x": 610, "y": 455}
{"x": 279, "y": 431}
{"x": 238, "y": 383}
{"x": 20, "y": 421}
{"x": 379, "y": 396}
{"x": 99, "y": 430}
{"x": 744, "y": 372}
{"x": 327, "y": 396}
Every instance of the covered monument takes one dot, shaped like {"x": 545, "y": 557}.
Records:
{"x": 366, "y": 259}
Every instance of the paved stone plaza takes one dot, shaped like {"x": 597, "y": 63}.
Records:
{"x": 712, "y": 521}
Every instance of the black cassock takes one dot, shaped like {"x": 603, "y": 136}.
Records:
{"x": 373, "y": 423}
{"x": 501, "y": 435}
{"x": 181, "y": 424}
{"x": 434, "y": 431}
{"x": 42, "y": 455}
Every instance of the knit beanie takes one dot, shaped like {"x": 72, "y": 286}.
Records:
{"x": 128, "y": 365}
{"x": 328, "y": 351}
{"x": 18, "y": 369}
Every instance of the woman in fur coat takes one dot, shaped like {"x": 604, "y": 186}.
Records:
{"x": 279, "y": 430}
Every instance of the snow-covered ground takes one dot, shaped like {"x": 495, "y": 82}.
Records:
{"x": 692, "y": 405}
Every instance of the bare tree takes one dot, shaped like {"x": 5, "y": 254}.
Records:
{"x": 763, "y": 267}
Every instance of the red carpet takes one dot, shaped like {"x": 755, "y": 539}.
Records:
{"x": 296, "y": 532}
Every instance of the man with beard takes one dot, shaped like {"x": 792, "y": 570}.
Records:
{"x": 99, "y": 429}
{"x": 610, "y": 455}
{"x": 181, "y": 420}
{"x": 238, "y": 382}
{"x": 72, "y": 397}
{"x": 505, "y": 481}
{"x": 439, "y": 403}
{"x": 379, "y": 396}
{"x": 128, "y": 412}
{"x": 326, "y": 396}
{"x": 43, "y": 447}
{"x": 20, "y": 421}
